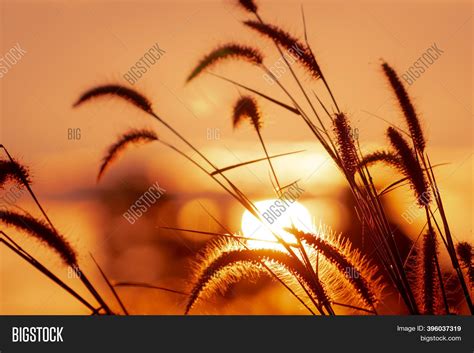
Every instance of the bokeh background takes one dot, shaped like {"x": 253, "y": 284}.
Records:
{"x": 74, "y": 45}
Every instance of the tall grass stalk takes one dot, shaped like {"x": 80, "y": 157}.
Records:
{"x": 52, "y": 238}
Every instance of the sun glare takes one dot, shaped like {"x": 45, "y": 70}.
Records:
{"x": 277, "y": 215}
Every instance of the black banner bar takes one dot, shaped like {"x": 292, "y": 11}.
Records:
{"x": 237, "y": 333}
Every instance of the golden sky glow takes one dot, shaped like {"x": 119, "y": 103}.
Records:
{"x": 74, "y": 45}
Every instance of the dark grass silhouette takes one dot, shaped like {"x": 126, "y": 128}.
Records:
{"x": 412, "y": 163}
{"x": 46, "y": 233}
{"x": 129, "y": 138}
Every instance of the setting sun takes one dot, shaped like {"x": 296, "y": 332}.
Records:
{"x": 277, "y": 217}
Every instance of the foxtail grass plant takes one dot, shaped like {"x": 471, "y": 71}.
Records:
{"x": 312, "y": 267}
{"x": 41, "y": 230}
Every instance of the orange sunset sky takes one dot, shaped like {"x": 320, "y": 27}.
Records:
{"x": 73, "y": 45}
